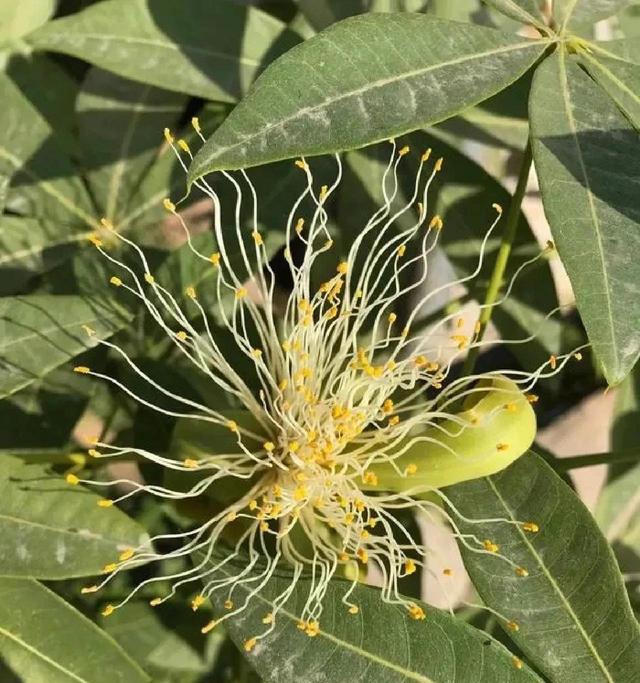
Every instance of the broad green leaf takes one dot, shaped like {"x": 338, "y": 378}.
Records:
{"x": 51, "y": 530}
{"x": 575, "y": 622}
{"x": 44, "y": 183}
{"x": 620, "y": 79}
{"x": 526, "y": 11}
{"x": 19, "y": 18}
{"x": 364, "y": 80}
{"x": 380, "y": 643}
{"x": 43, "y": 638}
{"x": 40, "y": 332}
{"x": 323, "y": 13}
{"x": 209, "y": 49}
{"x": 571, "y": 13}
{"x": 587, "y": 157}
{"x": 120, "y": 123}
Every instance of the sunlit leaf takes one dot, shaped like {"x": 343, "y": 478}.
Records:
{"x": 572, "y": 13}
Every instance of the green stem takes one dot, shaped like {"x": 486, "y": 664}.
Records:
{"x": 497, "y": 276}
{"x": 577, "y": 461}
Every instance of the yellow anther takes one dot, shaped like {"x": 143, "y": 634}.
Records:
{"x": 577, "y": 356}
{"x": 348, "y": 518}
{"x": 215, "y": 258}
{"x": 155, "y": 602}
{"x": 364, "y": 534}
{"x": 436, "y": 223}
{"x": 401, "y": 249}
{"x": 82, "y": 369}
{"x": 323, "y": 192}
{"x": 107, "y": 224}
{"x": 294, "y": 446}
{"x": 197, "y": 602}
{"x": 108, "y": 568}
{"x": 89, "y": 589}
{"x": 208, "y": 627}
{"x": 241, "y": 292}
{"x": 256, "y": 353}
{"x": 196, "y": 124}
{"x": 416, "y": 612}
{"x": 264, "y": 526}
{"x": 502, "y": 447}
{"x": 149, "y": 278}
{"x": 553, "y": 362}
{"x": 115, "y": 281}
{"x": 510, "y": 407}
{"x": 167, "y": 136}
{"x": 181, "y": 335}
{"x": 410, "y": 469}
{"x": 477, "y": 327}
{"x": 94, "y": 453}
{"x": 343, "y": 557}
{"x": 249, "y": 644}
{"x": 363, "y": 555}
{"x": 302, "y": 164}
{"x": 497, "y": 207}
{"x": 522, "y": 572}
{"x": 268, "y": 618}
{"x": 425, "y": 155}
{"x": 391, "y": 318}
{"x": 302, "y": 625}
{"x": 232, "y": 426}
{"x": 531, "y": 527}
{"x": 105, "y": 503}
{"x": 328, "y": 244}
{"x": 370, "y": 478}
{"x": 532, "y": 398}
{"x": 387, "y": 406}
{"x": 409, "y": 567}
{"x": 183, "y": 145}
{"x": 513, "y": 625}
{"x": 169, "y": 205}
{"x": 95, "y": 240}
{"x": 190, "y": 463}
{"x": 354, "y": 609}
{"x": 228, "y": 604}
{"x": 108, "y": 610}
{"x": 89, "y": 331}
{"x": 405, "y": 150}
{"x": 299, "y": 225}
{"x": 331, "y": 313}
{"x": 72, "y": 479}
{"x": 257, "y": 238}
{"x": 438, "y": 165}
{"x": 343, "y": 267}
{"x": 517, "y": 662}
{"x": 269, "y": 446}
{"x": 447, "y": 571}
{"x": 232, "y": 516}
{"x": 126, "y": 554}
{"x": 313, "y": 628}
{"x": 490, "y": 546}
{"x": 300, "y": 493}
{"x": 393, "y": 421}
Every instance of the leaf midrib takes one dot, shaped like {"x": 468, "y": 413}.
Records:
{"x": 592, "y": 209}
{"x": 372, "y": 85}
{"x": 612, "y": 77}
{"x": 574, "y": 617}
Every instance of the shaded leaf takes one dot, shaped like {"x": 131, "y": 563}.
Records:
{"x": 440, "y": 649}
{"x": 209, "y": 49}
{"x": 572, "y": 13}
{"x": 48, "y": 640}
{"x": 51, "y": 530}
{"x": 346, "y": 97}
{"x": 323, "y": 13}
{"x": 526, "y": 11}
{"x": 586, "y": 156}
{"x": 573, "y": 613}
{"x": 40, "y": 332}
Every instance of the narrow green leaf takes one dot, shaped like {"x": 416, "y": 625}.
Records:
{"x": 209, "y": 49}
{"x": 51, "y": 530}
{"x": 526, "y": 11}
{"x": 574, "y": 615}
{"x": 120, "y": 123}
{"x": 380, "y": 643}
{"x": 620, "y": 79}
{"x": 43, "y": 638}
{"x": 364, "y": 80}
{"x": 571, "y": 13}
{"x": 587, "y": 158}
{"x": 40, "y": 332}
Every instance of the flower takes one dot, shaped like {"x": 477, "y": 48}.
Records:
{"x": 350, "y": 415}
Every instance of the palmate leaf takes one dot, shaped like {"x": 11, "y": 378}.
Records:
{"x": 50, "y": 530}
{"x": 380, "y": 643}
{"x": 363, "y": 80}
{"x": 572, "y": 13}
{"x": 526, "y": 11}
{"x": 40, "y": 332}
{"x": 43, "y": 638}
{"x": 573, "y": 613}
{"x": 587, "y": 157}
{"x": 209, "y": 49}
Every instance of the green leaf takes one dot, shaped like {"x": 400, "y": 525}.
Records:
{"x": 587, "y": 158}
{"x": 526, "y": 11}
{"x": 323, "y": 13}
{"x": 574, "y": 615}
{"x": 209, "y": 49}
{"x": 361, "y": 81}
{"x": 19, "y": 18}
{"x": 120, "y": 124}
{"x": 620, "y": 79}
{"x": 40, "y": 332}
{"x": 572, "y": 13}
{"x": 380, "y": 643}
{"x": 43, "y": 638}
{"x": 51, "y": 530}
